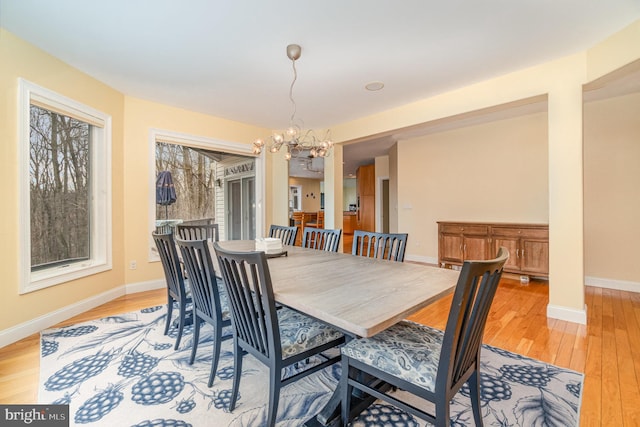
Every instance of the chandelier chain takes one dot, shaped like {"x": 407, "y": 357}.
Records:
{"x": 293, "y": 82}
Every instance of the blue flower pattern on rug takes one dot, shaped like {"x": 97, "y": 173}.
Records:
{"x": 121, "y": 370}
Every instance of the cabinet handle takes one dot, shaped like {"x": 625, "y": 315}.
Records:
{"x": 522, "y": 253}
{"x": 517, "y": 253}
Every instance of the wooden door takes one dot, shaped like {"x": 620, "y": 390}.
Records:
{"x": 451, "y": 248}
{"x": 475, "y": 247}
{"x": 512, "y": 245}
{"x": 534, "y": 255}
{"x": 366, "y": 199}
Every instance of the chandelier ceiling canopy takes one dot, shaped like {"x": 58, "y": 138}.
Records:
{"x": 296, "y": 141}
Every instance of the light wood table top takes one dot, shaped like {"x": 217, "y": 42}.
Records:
{"x": 361, "y": 296}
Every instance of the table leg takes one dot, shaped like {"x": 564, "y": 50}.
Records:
{"x": 330, "y": 414}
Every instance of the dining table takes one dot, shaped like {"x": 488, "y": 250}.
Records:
{"x": 358, "y": 295}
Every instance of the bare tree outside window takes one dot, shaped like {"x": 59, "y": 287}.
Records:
{"x": 59, "y": 172}
{"x": 193, "y": 173}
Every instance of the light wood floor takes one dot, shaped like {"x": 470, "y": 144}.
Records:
{"x": 607, "y": 350}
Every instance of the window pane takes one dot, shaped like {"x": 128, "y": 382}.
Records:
{"x": 193, "y": 174}
{"x": 59, "y": 188}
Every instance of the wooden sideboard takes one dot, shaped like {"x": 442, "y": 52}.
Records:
{"x": 528, "y": 245}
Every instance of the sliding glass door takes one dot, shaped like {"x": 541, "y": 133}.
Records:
{"x": 241, "y": 208}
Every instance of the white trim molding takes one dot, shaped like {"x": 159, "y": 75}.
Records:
{"x": 45, "y": 321}
{"x": 23, "y": 330}
{"x": 100, "y": 253}
{"x": 568, "y": 314}
{"x": 620, "y": 285}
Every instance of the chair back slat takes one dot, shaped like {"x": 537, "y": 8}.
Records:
{"x": 286, "y": 234}
{"x": 322, "y": 239}
{"x": 198, "y": 232}
{"x": 389, "y": 246}
{"x": 473, "y": 295}
{"x": 202, "y": 278}
{"x": 170, "y": 264}
{"x": 248, "y": 284}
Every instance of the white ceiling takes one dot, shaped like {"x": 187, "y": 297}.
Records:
{"x": 227, "y": 58}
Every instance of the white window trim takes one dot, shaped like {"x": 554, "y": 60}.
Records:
{"x": 101, "y": 240}
{"x": 161, "y": 135}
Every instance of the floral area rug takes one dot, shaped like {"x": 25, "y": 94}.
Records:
{"x": 122, "y": 371}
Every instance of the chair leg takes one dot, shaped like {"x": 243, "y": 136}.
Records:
{"x": 474, "y": 392}
{"x": 237, "y": 374}
{"x": 196, "y": 338}
{"x": 181, "y": 320}
{"x": 442, "y": 412}
{"x": 275, "y": 374}
{"x": 217, "y": 342}
{"x": 169, "y": 313}
{"x": 346, "y": 391}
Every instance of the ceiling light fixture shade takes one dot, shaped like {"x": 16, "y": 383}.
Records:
{"x": 297, "y": 142}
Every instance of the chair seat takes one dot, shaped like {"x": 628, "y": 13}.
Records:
{"x": 407, "y": 350}
{"x": 299, "y": 333}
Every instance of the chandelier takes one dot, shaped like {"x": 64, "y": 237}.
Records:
{"x": 296, "y": 141}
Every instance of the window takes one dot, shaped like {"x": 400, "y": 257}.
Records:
{"x": 213, "y": 179}
{"x": 295, "y": 198}
{"x": 65, "y": 189}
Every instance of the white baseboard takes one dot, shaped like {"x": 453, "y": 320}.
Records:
{"x": 568, "y": 314}
{"x": 23, "y": 330}
{"x": 151, "y": 285}
{"x": 620, "y": 285}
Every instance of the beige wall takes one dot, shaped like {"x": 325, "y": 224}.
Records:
{"x": 310, "y": 193}
{"x": 490, "y": 172}
{"x": 20, "y": 59}
{"x": 612, "y": 188}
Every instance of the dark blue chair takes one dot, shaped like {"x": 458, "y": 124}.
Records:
{"x": 286, "y": 234}
{"x": 390, "y": 246}
{"x": 210, "y": 302}
{"x": 176, "y": 288}
{"x": 321, "y": 238}
{"x": 424, "y": 361}
{"x": 277, "y": 338}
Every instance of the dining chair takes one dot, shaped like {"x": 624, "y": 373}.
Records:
{"x": 198, "y": 232}
{"x": 390, "y": 246}
{"x": 320, "y": 219}
{"x": 425, "y": 361}
{"x": 321, "y": 238}
{"x": 286, "y": 234}
{"x": 309, "y": 219}
{"x": 297, "y": 222}
{"x": 176, "y": 288}
{"x": 277, "y": 338}
{"x": 210, "y": 302}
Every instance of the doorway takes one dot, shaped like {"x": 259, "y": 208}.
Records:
{"x": 384, "y": 208}
{"x": 241, "y": 209}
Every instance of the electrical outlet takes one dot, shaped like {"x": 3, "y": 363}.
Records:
{"x": 133, "y": 265}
